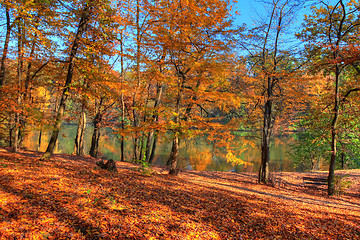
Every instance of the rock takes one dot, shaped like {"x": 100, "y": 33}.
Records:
{"x": 110, "y": 165}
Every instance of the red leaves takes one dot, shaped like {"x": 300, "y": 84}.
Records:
{"x": 68, "y": 197}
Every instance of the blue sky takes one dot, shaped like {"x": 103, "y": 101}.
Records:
{"x": 247, "y": 9}
{"x": 250, "y": 9}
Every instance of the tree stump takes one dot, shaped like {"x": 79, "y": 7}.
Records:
{"x": 110, "y": 165}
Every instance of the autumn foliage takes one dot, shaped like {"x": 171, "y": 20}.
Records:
{"x": 70, "y": 197}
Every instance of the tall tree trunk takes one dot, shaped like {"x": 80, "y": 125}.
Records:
{"x": 94, "y": 149}
{"x": 61, "y": 111}
{"x": 265, "y": 141}
{"x": 11, "y": 130}
{"x": 336, "y": 53}
{"x": 331, "y": 187}
{"x": 19, "y": 76}
{"x": 79, "y": 139}
{"x": 151, "y": 142}
{"x": 39, "y": 140}
{"x": 342, "y": 161}
{"x": 28, "y": 71}
{"x": 26, "y": 96}
{"x": 277, "y": 14}
{"x": 135, "y": 113}
{"x": 122, "y": 140}
{"x": 153, "y": 149}
{"x": 5, "y": 48}
{"x": 173, "y": 159}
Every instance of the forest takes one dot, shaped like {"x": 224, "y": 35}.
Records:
{"x": 176, "y": 70}
{"x": 133, "y": 78}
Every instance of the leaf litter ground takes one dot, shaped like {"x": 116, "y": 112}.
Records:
{"x": 68, "y": 197}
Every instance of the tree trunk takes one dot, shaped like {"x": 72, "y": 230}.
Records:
{"x": 122, "y": 158}
{"x": 5, "y": 48}
{"x": 122, "y": 141}
{"x": 153, "y": 149}
{"x": 173, "y": 159}
{"x": 94, "y": 149}
{"x": 26, "y": 96}
{"x": 149, "y": 141}
{"x": 265, "y": 141}
{"x": 331, "y": 187}
{"x": 342, "y": 161}
{"x": 61, "y": 111}
{"x": 135, "y": 113}
{"x": 79, "y": 139}
{"x": 11, "y": 130}
{"x": 39, "y": 140}
{"x": 19, "y": 76}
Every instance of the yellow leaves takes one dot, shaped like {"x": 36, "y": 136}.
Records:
{"x": 175, "y": 114}
{"x": 234, "y": 160}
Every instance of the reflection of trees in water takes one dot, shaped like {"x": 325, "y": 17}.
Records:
{"x": 197, "y": 153}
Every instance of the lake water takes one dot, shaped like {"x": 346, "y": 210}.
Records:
{"x": 195, "y": 154}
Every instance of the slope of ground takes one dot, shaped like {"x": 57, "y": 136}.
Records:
{"x": 68, "y": 197}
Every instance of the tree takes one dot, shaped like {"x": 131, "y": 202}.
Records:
{"x": 193, "y": 38}
{"x": 84, "y": 19}
{"x": 273, "y": 72}
{"x": 29, "y": 28}
{"x": 92, "y": 37}
{"x": 328, "y": 32}
{"x": 6, "y": 44}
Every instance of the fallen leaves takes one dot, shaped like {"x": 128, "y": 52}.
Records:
{"x": 67, "y": 197}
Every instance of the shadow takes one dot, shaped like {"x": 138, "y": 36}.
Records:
{"x": 234, "y": 176}
{"x": 42, "y": 203}
{"x": 297, "y": 199}
{"x": 167, "y": 207}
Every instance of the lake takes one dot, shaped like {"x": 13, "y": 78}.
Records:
{"x": 195, "y": 154}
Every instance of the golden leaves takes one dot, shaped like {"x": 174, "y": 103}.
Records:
{"x": 67, "y": 198}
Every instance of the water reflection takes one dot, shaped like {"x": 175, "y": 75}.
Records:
{"x": 196, "y": 154}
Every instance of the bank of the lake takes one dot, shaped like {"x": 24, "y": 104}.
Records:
{"x": 195, "y": 154}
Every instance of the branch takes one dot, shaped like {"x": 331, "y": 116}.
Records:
{"x": 203, "y": 109}
{"x": 39, "y": 69}
{"x": 348, "y": 93}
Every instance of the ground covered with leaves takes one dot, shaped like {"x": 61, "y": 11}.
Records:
{"x": 69, "y": 197}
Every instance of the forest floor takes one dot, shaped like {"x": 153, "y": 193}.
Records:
{"x": 68, "y": 197}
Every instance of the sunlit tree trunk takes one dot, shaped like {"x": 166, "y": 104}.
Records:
{"x": 173, "y": 160}
{"x": 26, "y": 96}
{"x": 61, "y": 110}
{"x": 122, "y": 139}
{"x": 151, "y": 139}
{"x": 19, "y": 76}
{"x": 276, "y": 17}
{"x": 174, "y": 155}
{"x": 135, "y": 112}
{"x": 79, "y": 139}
